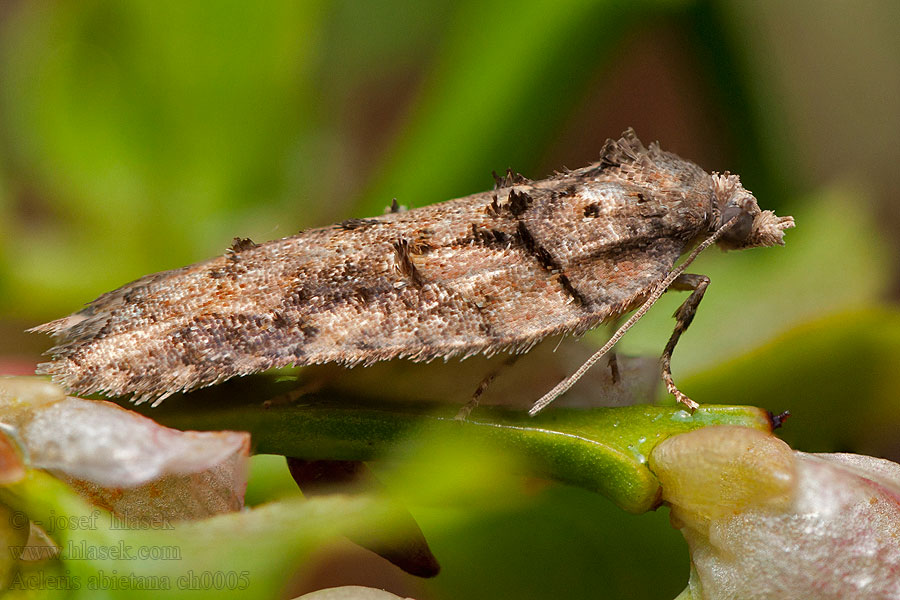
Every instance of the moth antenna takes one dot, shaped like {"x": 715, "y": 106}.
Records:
{"x": 563, "y": 386}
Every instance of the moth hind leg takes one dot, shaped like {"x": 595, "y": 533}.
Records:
{"x": 613, "y": 361}
{"x": 613, "y": 364}
{"x": 472, "y": 404}
{"x": 697, "y": 285}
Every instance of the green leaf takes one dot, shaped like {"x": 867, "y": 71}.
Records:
{"x": 602, "y": 450}
{"x": 837, "y": 375}
{"x": 102, "y": 559}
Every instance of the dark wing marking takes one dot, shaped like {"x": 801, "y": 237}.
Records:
{"x": 490, "y": 272}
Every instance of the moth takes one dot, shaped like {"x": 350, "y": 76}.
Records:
{"x": 492, "y": 272}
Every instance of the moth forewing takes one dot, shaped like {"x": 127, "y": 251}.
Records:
{"x": 495, "y": 271}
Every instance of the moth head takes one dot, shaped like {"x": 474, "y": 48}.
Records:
{"x": 752, "y": 227}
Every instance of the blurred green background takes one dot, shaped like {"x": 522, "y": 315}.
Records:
{"x": 142, "y": 136}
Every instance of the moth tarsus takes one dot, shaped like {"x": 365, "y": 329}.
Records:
{"x": 697, "y": 285}
{"x": 490, "y": 272}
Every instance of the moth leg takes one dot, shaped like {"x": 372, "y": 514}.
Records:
{"x": 472, "y": 404}
{"x": 613, "y": 363}
{"x": 563, "y": 386}
{"x": 697, "y": 284}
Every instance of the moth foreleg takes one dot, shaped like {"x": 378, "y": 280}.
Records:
{"x": 697, "y": 284}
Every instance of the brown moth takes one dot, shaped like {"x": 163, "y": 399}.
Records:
{"x": 490, "y": 272}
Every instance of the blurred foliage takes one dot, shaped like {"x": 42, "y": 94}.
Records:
{"x": 603, "y": 450}
{"x": 201, "y": 560}
{"x": 500, "y": 90}
{"x": 146, "y": 130}
{"x": 138, "y": 136}
{"x": 836, "y": 375}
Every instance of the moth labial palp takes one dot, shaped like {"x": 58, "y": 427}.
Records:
{"x": 490, "y": 272}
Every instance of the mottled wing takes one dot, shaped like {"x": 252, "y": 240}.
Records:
{"x": 489, "y": 272}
